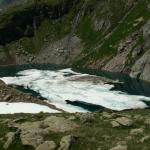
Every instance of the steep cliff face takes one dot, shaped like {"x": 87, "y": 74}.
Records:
{"x": 107, "y": 35}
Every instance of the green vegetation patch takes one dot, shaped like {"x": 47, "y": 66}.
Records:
{"x": 125, "y": 27}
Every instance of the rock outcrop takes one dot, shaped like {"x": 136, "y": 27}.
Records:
{"x": 122, "y": 121}
{"x": 47, "y": 131}
{"x": 32, "y": 133}
{"x": 141, "y": 69}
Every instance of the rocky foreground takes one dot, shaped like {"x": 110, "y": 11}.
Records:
{"x": 104, "y": 130}
{"x": 90, "y": 131}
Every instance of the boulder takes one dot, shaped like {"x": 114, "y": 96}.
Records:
{"x": 72, "y": 118}
{"x": 47, "y": 145}
{"x": 31, "y": 134}
{"x": 66, "y": 142}
{"x": 136, "y": 131}
{"x": 31, "y": 138}
{"x": 107, "y": 115}
{"x": 138, "y": 117}
{"x": 129, "y": 138}
{"x": 7, "y": 98}
{"x": 115, "y": 124}
{"x": 124, "y": 121}
{"x": 59, "y": 124}
{"x": 145, "y": 139}
{"x": 86, "y": 117}
{"x": 138, "y": 21}
{"x": 10, "y": 138}
{"x": 147, "y": 121}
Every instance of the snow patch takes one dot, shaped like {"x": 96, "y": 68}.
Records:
{"x": 13, "y": 108}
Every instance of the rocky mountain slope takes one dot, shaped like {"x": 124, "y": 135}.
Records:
{"x": 110, "y": 35}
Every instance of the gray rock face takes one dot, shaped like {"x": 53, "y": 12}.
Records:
{"x": 118, "y": 62}
{"x": 47, "y": 145}
{"x": 10, "y": 138}
{"x": 101, "y": 25}
{"x": 66, "y": 142}
{"x": 141, "y": 69}
{"x": 140, "y": 55}
{"x": 63, "y": 51}
{"x": 146, "y": 30}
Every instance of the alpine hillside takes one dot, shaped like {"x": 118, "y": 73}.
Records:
{"x": 110, "y": 35}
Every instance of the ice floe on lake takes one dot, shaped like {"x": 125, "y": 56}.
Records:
{"x": 58, "y": 86}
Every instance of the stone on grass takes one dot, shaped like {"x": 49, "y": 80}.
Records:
{"x": 10, "y": 138}
{"x": 31, "y": 134}
{"x": 47, "y": 145}
{"x": 124, "y": 121}
{"x": 145, "y": 139}
{"x": 66, "y": 142}
{"x": 136, "y": 131}
{"x": 59, "y": 124}
{"x": 115, "y": 124}
{"x": 147, "y": 121}
{"x": 107, "y": 115}
{"x": 86, "y": 117}
{"x": 119, "y": 147}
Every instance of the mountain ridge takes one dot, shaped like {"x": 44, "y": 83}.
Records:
{"x": 94, "y": 34}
